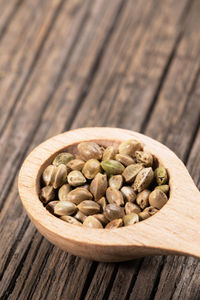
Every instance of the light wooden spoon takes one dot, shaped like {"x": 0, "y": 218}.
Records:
{"x": 175, "y": 229}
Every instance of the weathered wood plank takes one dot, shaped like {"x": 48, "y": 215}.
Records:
{"x": 40, "y": 88}
{"x": 8, "y": 9}
{"x": 135, "y": 79}
{"x": 20, "y": 48}
{"x": 34, "y": 263}
{"x": 99, "y": 20}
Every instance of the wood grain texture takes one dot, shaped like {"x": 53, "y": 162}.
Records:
{"x": 30, "y": 267}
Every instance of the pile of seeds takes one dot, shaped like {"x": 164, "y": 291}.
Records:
{"x": 104, "y": 187}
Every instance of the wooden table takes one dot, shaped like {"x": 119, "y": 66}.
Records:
{"x": 65, "y": 64}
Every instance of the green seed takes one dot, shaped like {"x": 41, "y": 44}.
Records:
{"x": 128, "y": 193}
{"x": 98, "y": 186}
{"x": 62, "y": 158}
{"x": 131, "y": 172}
{"x": 130, "y": 219}
{"x": 158, "y": 199}
{"x": 71, "y": 220}
{"x": 64, "y": 191}
{"x": 116, "y": 181}
{"x": 132, "y": 208}
{"x": 47, "y": 194}
{"x": 89, "y": 207}
{"x": 125, "y": 159}
{"x": 65, "y": 208}
{"x": 143, "y": 179}
{"x": 114, "y": 224}
{"x": 114, "y": 196}
{"x": 112, "y": 167}
{"x": 164, "y": 188}
{"x": 144, "y": 157}
{"x": 92, "y": 222}
{"x": 78, "y": 195}
{"x": 129, "y": 147}
{"x": 91, "y": 168}
{"x": 143, "y": 198}
{"x": 113, "y": 211}
{"x": 76, "y": 178}
{"x": 88, "y": 150}
{"x": 161, "y": 175}
{"x": 109, "y": 153}
{"x": 76, "y": 164}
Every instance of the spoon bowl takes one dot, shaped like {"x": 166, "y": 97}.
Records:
{"x": 175, "y": 229}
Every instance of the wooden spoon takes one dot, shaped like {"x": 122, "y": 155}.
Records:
{"x": 175, "y": 229}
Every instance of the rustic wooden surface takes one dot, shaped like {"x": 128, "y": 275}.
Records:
{"x": 67, "y": 64}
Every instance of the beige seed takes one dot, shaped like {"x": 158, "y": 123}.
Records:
{"x": 102, "y": 202}
{"x": 131, "y": 172}
{"x": 98, "y": 186}
{"x": 144, "y": 157}
{"x": 113, "y": 211}
{"x": 143, "y": 179}
{"x": 76, "y": 178}
{"x": 92, "y": 222}
{"x": 59, "y": 176}
{"x": 91, "y": 168}
{"x": 101, "y": 218}
{"x": 62, "y": 158}
{"x": 48, "y": 174}
{"x": 88, "y": 150}
{"x": 51, "y": 205}
{"x": 78, "y": 195}
{"x": 130, "y": 219}
{"x": 71, "y": 220}
{"x": 65, "y": 208}
{"x": 132, "y": 208}
{"x": 114, "y": 196}
{"x": 158, "y": 199}
{"x": 129, "y": 147}
{"x": 64, "y": 191}
{"x": 47, "y": 194}
{"x": 164, "y": 188}
{"x": 151, "y": 210}
{"x": 109, "y": 153}
{"x": 80, "y": 216}
{"x": 116, "y": 181}
{"x": 114, "y": 224}
{"x": 86, "y": 186}
{"x": 76, "y": 164}
{"x": 125, "y": 159}
{"x": 89, "y": 207}
{"x": 128, "y": 193}
{"x": 143, "y": 215}
{"x": 143, "y": 198}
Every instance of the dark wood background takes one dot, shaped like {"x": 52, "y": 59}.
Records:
{"x": 65, "y": 64}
